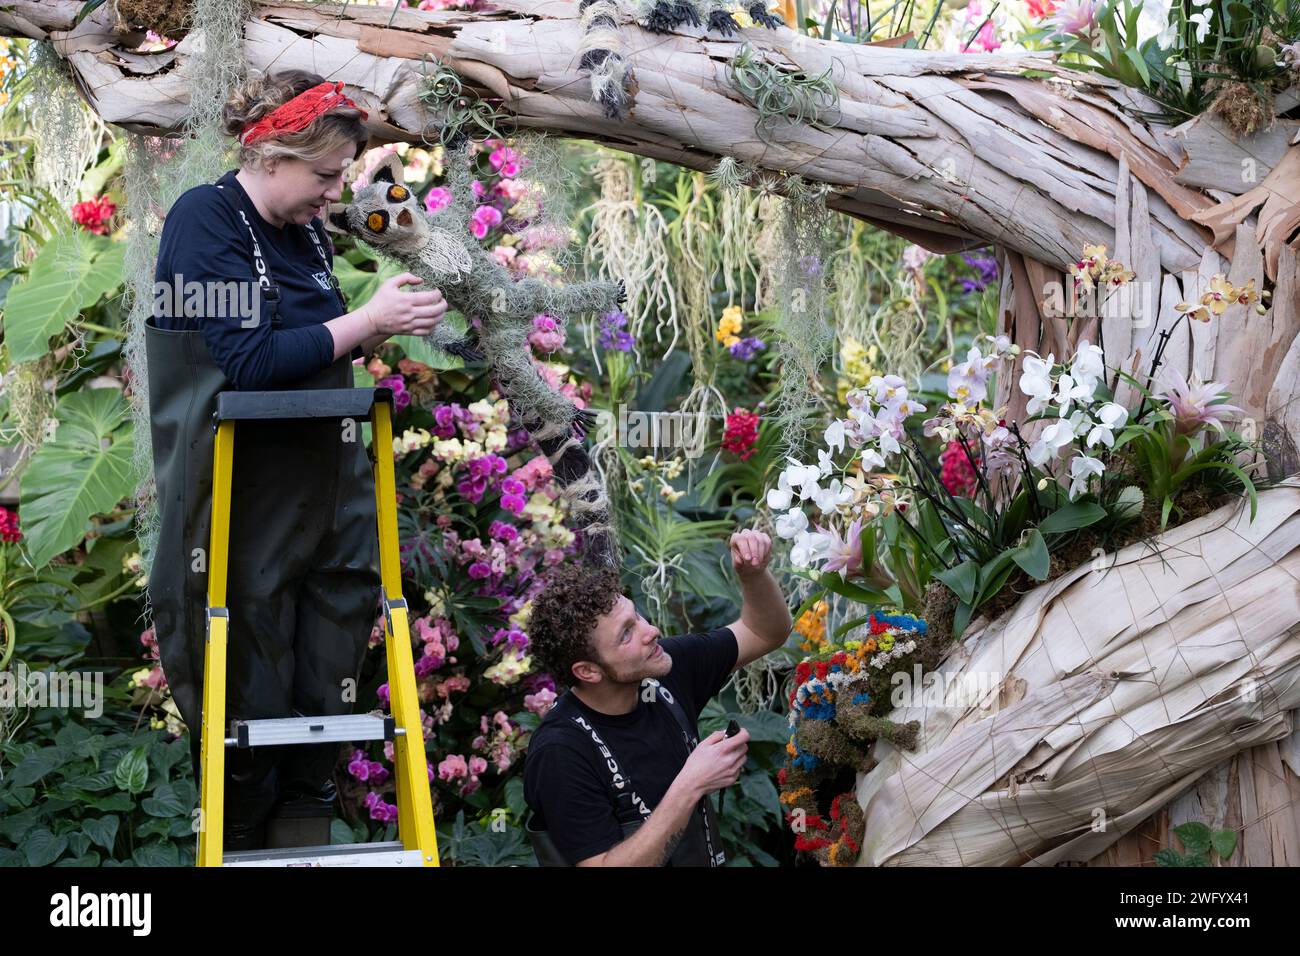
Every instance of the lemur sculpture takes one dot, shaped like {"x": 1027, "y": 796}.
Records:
{"x": 439, "y": 248}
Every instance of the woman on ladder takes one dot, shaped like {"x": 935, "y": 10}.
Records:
{"x": 245, "y": 298}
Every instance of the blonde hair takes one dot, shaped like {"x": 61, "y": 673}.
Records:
{"x": 255, "y": 98}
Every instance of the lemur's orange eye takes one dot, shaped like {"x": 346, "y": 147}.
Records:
{"x": 377, "y": 221}
{"x": 397, "y": 193}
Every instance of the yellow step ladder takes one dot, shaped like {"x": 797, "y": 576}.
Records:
{"x": 417, "y": 843}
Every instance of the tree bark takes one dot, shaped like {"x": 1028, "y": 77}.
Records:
{"x": 954, "y": 150}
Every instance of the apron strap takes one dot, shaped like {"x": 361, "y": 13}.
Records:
{"x": 329, "y": 271}
{"x": 269, "y": 290}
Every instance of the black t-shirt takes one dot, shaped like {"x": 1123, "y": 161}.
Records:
{"x": 566, "y": 780}
{"x": 206, "y": 243}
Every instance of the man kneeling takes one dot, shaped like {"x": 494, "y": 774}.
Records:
{"x": 616, "y": 774}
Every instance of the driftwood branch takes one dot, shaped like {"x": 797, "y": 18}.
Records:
{"x": 951, "y": 150}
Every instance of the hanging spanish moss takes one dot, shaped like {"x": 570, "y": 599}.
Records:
{"x": 157, "y": 173}
{"x": 67, "y": 132}
{"x": 802, "y": 300}
{"x": 737, "y": 226}
{"x": 628, "y": 240}
{"x": 898, "y": 328}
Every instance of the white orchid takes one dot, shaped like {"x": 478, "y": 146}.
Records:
{"x": 905, "y": 408}
{"x": 791, "y": 524}
{"x": 809, "y": 547}
{"x": 1082, "y": 468}
{"x": 1036, "y": 381}
{"x": 1109, "y": 418}
{"x": 831, "y": 497}
{"x": 1003, "y": 347}
{"x": 1202, "y": 21}
{"x": 825, "y": 462}
{"x": 1089, "y": 363}
{"x": 1054, "y": 437}
{"x": 835, "y": 436}
{"x": 802, "y": 478}
{"x": 969, "y": 378}
{"x": 779, "y": 498}
{"x": 885, "y": 388}
{"x": 1070, "y": 390}
{"x": 871, "y": 459}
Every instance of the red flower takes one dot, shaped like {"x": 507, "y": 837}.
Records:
{"x": 957, "y": 474}
{"x": 94, "y": 215}
{"x": 741, "y": 433}
{"x": 9, "y": 525}
{"x": 1041, "y": 8}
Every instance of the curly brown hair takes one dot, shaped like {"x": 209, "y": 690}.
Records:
{"x": 564, "y": 615}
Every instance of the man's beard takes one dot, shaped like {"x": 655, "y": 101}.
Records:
{"x": 656, "y": 667}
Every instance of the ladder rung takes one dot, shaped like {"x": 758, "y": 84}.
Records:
{"x": 280, "y": 731}
{"x": 347, "y": 854}
{"x": 300, "y": 403}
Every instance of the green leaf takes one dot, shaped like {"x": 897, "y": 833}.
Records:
{"x": 1195, "y": 837}
{"x": 164, "y": 803}
{"x": 961, "y": 618}
{"x": 1128, "y": 503}
{"x": 37, "y": 765}
{"x": 116, "y": 803}
{"x": 764, "y": 726}
{"x": 340, "y": 832}
{"x": 1167, "y": 857}
{"x": 157, "y": 854}
{"x": 515, "y": 801}
{"x": 759, "y": 788}
{"x": 69, "y": 274}
{"x": 1134, "y": 57}
{"x": 1224, "y": 843}
{"x": 961, "y": 580}
{"x": 41, "y": 847}
{"x": 1032, "y": 556}
{"x": 101, "y": 830}
{"x": 1080, "y": 514}
{"x": 132, "y": 770}
{"x": 88, "y": 859}
{"x": 83, "y": 471}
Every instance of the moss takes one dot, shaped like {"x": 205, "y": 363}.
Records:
{"x": 166, "y": 17}
{"x": 1244, "y": 107}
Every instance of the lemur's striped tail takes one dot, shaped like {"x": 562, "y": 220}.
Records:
{"x": 601, "y": 55}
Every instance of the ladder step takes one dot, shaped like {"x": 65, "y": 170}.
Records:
{"x": 280, "y": 731}
{"x": 354, "y": 854}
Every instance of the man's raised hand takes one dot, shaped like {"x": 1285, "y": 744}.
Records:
{"x": 750, "y": 552}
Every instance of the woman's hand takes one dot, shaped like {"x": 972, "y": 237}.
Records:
{"x": 391, "y": 311}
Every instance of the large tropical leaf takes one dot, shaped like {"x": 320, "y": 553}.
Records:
{"x": 84, "y": 470}
{"x": 69, "y": 274}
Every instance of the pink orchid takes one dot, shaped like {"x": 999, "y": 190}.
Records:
{"x": 439, "y": 197}
{"x": 1075, "y": 18}
{"x": 506, "y": 161}
{"x": 844, "y": 554}
{"x": 484, "y": 220}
